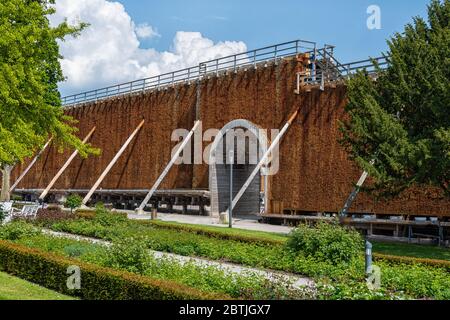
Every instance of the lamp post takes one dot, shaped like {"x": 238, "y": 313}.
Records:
{"x": 230, "y": 210}
{"x": 368, "y": 257}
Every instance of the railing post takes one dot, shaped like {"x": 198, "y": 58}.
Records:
{"x": 254, "y": 58}
{"x": 159, "y": 81}
{"x": 296, "y": 47}
{"x": 276, "y": 52}
{"x": 217, "y": 67}
{"x": 235, "y": 62}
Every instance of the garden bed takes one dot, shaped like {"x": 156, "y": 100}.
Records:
{"x": 400, "y": 278}
{"x": 337, "y": 272}
{"x": 131, "y": 256}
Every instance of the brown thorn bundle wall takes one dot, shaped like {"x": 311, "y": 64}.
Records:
{"x": 315, "y": 174}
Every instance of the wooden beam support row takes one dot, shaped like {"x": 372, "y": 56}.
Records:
{"x": 68, "y": 162}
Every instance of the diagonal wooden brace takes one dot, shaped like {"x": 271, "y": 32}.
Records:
{"x": 264, "y": 159}
{"x": 32, "y": 163}
{"x": 61, "y": 171}
{"x": 112, "y": 163}
{"x": 144, "y": 203}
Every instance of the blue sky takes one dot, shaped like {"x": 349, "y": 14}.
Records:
{"x": 134, "y": 39}
{"x": 263, "y": 22}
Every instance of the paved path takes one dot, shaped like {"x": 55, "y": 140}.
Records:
{"x": 211, "y": 221}
{"x": 296, "y": 280}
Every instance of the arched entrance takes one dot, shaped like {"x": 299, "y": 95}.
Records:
{"x": 247, "y": 153}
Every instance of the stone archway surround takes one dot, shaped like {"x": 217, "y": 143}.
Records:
{"x": 213, "y": 172}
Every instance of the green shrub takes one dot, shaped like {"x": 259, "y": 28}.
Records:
{"x": 50, "y": 215}
{"x": 329, "y": 242}
{"x": 85, "y": 214}
{"x": 100, "y": 208}
{"x": 129, "y": 254}
{"x": 109, "y": 219}
{"x": 2, "y": 216}
{"x": 97, "y": 283}
{"x": 75, "y": 250}
{"x": 73, "y": 201}
{"x": 18, "y": 230}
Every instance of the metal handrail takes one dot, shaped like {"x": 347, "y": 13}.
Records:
{"x": 346, "y": 70}
{"x": 233, "y": 62}
{"x": 332, "y": 71}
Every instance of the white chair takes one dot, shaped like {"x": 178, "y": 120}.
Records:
{"x": 27, "y": 212}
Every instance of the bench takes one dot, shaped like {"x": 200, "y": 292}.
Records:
{"x": 27, "y": 212}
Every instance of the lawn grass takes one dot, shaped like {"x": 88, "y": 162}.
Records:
{"x": 12, "y": 288}
{"x": 412, "y": 250}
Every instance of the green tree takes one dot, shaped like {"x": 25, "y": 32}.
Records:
{"x": 30, "y": 104}
{"x": 401, "y": 118}
{"x": 73, "y": 201}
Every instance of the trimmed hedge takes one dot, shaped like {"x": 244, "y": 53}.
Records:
{"x": 412, "y": 260}
{"x": 214, "y": 232}
{"x": 97, "y": 283}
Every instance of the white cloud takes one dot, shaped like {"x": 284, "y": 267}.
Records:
{"x": 109, "y": 52}
{"x": 145, "y": 31}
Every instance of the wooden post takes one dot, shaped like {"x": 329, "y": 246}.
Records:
{"x": 185, "y": 207}
{"x": 112, "y": 163}
{"x": 24, "y": 173}
{"x": 68, "y": 162}
{"x": 154, "y": 213}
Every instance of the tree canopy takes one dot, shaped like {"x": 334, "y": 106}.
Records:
{"x": 30, "y": 104}
{"x": 400, "y": 119}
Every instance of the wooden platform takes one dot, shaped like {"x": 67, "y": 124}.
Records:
{"x": 410, "y": 231}
{"x": 125, "y": 192}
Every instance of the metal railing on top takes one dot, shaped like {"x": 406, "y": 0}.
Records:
{"x": 326, "y": 68}
{"x": 233, "y": 62}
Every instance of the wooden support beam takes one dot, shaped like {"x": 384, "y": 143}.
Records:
{"x": 112, "y": 163}
{"x": 24, "y": 173}
{"x": 68, "y": 162}
{"x": 264, "y": 158}
{"x": 158, "y": 182}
